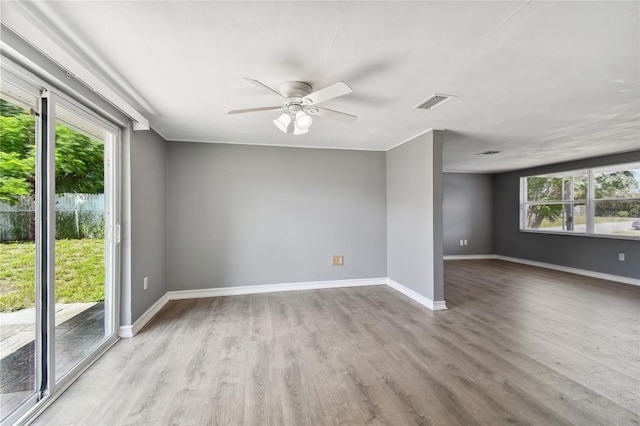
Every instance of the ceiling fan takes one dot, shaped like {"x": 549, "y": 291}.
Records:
{"x": 299, "y": 102}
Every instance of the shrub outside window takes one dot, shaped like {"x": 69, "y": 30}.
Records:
{"x": 593, "y": 201}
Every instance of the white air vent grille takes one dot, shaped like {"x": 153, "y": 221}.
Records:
{"x": 434, "y": 101}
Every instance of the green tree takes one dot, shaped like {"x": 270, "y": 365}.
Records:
{"x": 540, "y": 212}
{"x": 619, "y": 185}
{"x": 7, "y": 109}
{"x": 622, "y": 184}
{"x": 17, "y": 157}
{"x": 79, "y": 159}
{"x": 543, "y": 189}
{"x": 79, "y": 163}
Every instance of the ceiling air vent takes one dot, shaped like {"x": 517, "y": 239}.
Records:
{"x": 434, "y": 101}
{"x": 489, "y": 153}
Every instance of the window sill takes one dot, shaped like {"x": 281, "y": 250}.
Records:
{"x": 582, "y": 234}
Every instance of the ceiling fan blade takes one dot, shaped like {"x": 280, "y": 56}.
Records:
{"x": 342, "y": 116}
{"x": 257, "y": 83}
{"x": 333, "y": 91}
{"x": 242, "y": 111}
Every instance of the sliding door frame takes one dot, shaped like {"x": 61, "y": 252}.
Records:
{"x": 112, "y": 238}
{"x": 40, "y": 355}
{"x": 45, "y": 255}
{"x": 112, "y": 192}
{"x": 47, "y": 387}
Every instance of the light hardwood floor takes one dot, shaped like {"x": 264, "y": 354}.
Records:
{"x": 518, "y": 345}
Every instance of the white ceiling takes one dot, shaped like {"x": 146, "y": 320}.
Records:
{"x": 542, "y": 82}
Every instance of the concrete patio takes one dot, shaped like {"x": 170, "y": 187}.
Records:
{"x": 79, "y": 328}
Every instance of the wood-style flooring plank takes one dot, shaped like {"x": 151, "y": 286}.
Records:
{"x": 518, "y": 345}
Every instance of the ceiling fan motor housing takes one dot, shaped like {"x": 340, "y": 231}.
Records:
{"x": 295, "y": 89}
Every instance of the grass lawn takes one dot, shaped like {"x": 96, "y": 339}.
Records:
{"x": 79, "y": 273}
{"x": 581, "y": 220}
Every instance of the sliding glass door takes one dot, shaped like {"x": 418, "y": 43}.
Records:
{"x": 19, "y": 366}
{"x": 58, "y": 242}
{"x": 81, "y": 288}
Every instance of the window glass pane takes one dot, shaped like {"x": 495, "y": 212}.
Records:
{"x": 576, "y": 188}
{"x": 618, "y": 184}
{"x": 557, "y": 217}
{"x": 80, "y": 239}
{"x": 618, "y": 217}
{"x": 17, "y": 248}
{"x": 541, "y": 188}
{"x": 557, "y": 188}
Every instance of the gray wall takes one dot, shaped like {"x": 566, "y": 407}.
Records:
{"x": 148, "y": 220}
{"x": 590, "y": 253}
{"x": 468, "y": 213}
{"x": 414, "y": 215}
{"x": 249, "y": 215}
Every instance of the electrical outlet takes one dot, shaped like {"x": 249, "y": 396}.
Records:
{"x": 146, "y": 283}
{"x": 621, "y": 257}
{"x": 461, "y": 242}
{"x": 465, "y": 242}
{"x": 338, "y": 261}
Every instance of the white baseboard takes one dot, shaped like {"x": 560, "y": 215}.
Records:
{"x": 423, "y": 300}
{"x": 128, "y": 331}
{"x": 584, "y": 272}
{"x": 271, "y": 288}
{"x": 468, "y": 256}
{"x": 440, "y": 305}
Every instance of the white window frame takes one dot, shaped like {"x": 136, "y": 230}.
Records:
{"x": 590, "y": 202}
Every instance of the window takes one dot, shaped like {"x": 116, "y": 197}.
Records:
{"x": 595, "y": 201}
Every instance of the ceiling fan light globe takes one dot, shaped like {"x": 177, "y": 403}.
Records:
{"x": 303, "y": 120}
{"x": 283, "y": 122}
{"x": 298, "y": 131}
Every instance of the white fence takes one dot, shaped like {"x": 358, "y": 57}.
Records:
{"x": 15, "y": 218}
